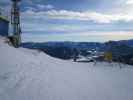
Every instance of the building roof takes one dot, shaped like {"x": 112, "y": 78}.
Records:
{"x": 4, "y": 18}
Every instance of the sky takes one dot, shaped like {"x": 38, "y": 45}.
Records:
{"x": 75, "y": 20}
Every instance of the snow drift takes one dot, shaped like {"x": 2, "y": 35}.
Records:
{"x": 32, "y": 75}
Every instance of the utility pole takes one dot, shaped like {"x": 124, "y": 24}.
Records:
{"x": 15, "y": 22}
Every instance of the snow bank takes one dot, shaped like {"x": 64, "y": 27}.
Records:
{"x": 32, "y": 75}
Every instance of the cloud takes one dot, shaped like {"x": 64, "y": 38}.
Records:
{"x": 37, "y": 20}
{"x": 86, "y": 37}
{"x": 41, "y": 11}
{"x": 5, "y": 6}
{"x": 4, "y": 2}
{"x": 43, "y": 7}
{"x": 96, "y": 17}
{"x": 129, "y": 2}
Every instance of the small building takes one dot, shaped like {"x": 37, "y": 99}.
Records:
{"x": 4, "y": 26}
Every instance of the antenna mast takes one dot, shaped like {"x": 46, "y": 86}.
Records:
{"x": 15, "y": 22}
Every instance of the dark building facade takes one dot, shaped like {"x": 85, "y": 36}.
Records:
{"x": 4, "y": 26}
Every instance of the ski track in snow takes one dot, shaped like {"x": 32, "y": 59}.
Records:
{"x": 32, "y": 75}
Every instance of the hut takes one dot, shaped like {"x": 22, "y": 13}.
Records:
{"x": 4, "y": 26}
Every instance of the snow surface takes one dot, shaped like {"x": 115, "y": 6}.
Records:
{"x": 32, "y": 75}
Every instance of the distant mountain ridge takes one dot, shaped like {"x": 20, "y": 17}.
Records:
{"x": 78, "y": 45}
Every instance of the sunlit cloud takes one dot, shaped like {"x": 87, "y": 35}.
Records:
{"x": 42, "y": 7}
{"x": 83, "y": 16}
{"x": 129, "y": 1}
{"x": 79, "y": 37}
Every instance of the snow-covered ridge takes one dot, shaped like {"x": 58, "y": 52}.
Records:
{"x": 32, "y": 75}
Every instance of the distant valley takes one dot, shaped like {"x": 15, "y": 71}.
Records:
{"x": 64, "y": 50}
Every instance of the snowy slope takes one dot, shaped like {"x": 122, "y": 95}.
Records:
{"x": 32, "y": 75}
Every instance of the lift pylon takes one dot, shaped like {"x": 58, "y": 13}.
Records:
{"x": 15, "y": 22}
